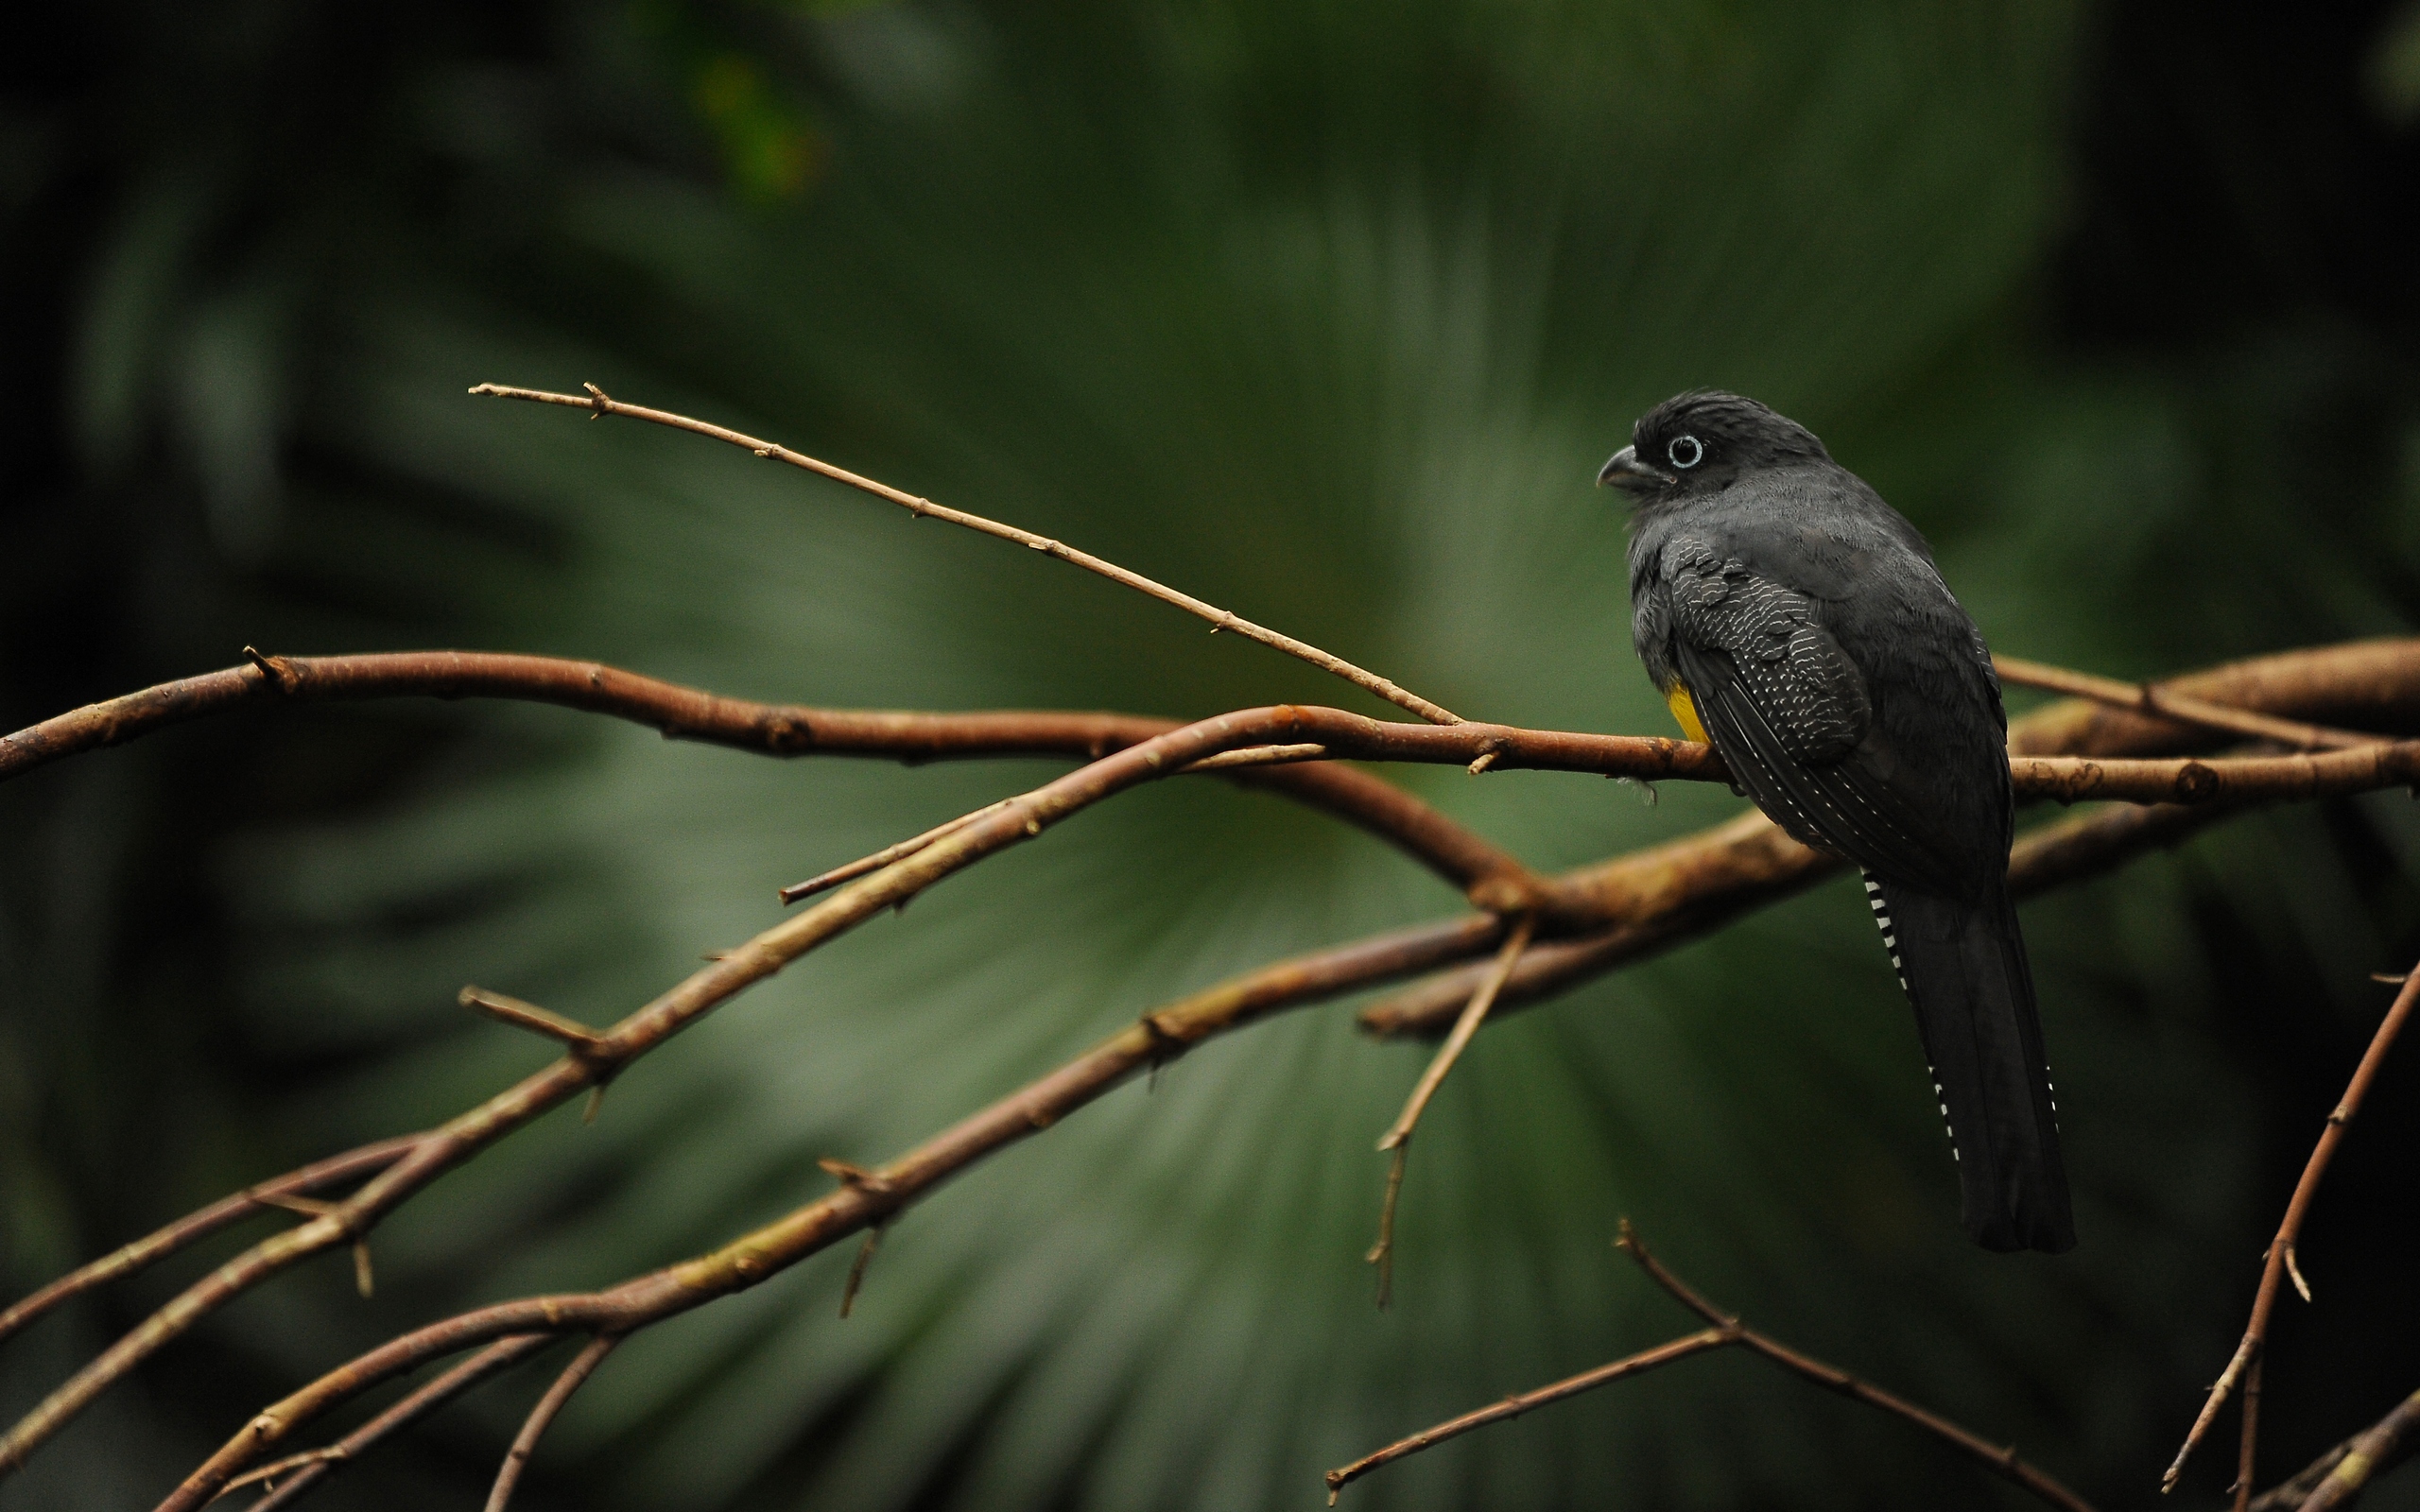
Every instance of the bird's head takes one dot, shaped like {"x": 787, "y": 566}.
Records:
{"x": 1700, "y": 442}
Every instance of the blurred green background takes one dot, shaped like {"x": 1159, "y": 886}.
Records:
{"x": 1327, "y": 313}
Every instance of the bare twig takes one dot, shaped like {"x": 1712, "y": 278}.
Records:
{"x": 2336, "y": 1478}
{"x": 1397, "y": 1138}
{"x": 597, "y": 403}
{"x": 2244, "y": 1369}
{"x": 1513, "y": 1406}
{"x": 569, "y": 1033}
{"x": 542, "y": 1416}
{"x": 1726, "y": 1329}
{"x": 196, "y": 1226}
{"x": 596, "y": 1063}
{"x": 2160, "y": 702}
{"x": 825, "y": 881}
{"x": 317, "y": 1465}
{"x": 772, "y": 729}
{"x": 1735, "y": 858}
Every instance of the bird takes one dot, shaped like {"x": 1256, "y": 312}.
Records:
{"x": 1798, "y": 623}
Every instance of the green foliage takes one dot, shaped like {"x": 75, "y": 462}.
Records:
{"x": 1326, "y": 314}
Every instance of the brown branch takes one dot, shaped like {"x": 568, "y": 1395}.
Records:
{"x": 733, "y": 970}
{"x": 2368, "y": 675}
{"x": 2219, "y": 780}
{"x": 2001, "y": 1461}
{"x": 1169, "y": 1031}
{"x": 542, "y": 1416}
{"x": 1727, "y": 1330}
{"x": 597, "y": 403}
{"x": 317, "y": 1465}
{"x": 1397, "y": 1138}
{"x": 1513, "y": 1406}
{"x": 193, "y": 1228}
{"x": 825, "y": 881}
{"x": 788, "y": 730}
{"x": 1726, "y": 872}
{"x": 2336, "y": 1478}
{"x": 569, "y": 1033}
{"x": 2245, "y": 1366}
{"x": 2160, "y": 702}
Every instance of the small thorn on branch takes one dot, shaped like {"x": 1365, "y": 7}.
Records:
{"x": 858, "y": 1266}
{"x": 873, "y": 1183}
{"x": 273, "y": 670}
{"x": 363, "y": 1280}
{"x": 578, "y": 1037}
{"x": 600, "y": 403}
{"x": 1486, "y": 760}
{"x": 2295, "y": 1271}
{"x": 884, "y": 856}
{"x": 308, "y": 1207}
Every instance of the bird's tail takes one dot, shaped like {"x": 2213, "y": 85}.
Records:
{"x": 1963, "y": 967}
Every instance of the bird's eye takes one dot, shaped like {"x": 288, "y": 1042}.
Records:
{"x": 1686, "y": 451}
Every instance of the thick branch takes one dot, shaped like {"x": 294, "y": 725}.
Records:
{"x": 597, "y": 403}
{"x": 2357, "y": 677}
{"x": 2162, "y": 703}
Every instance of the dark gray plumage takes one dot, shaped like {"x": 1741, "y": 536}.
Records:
{"x": 1779, "y": 603}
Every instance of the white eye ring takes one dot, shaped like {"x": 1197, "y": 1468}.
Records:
{"x": 1693, "y": 448}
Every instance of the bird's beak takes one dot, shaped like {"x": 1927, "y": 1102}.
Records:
{"x": 1628, "y": 473}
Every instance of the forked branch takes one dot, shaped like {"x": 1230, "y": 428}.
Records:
{"x": 2244, "y": 1369}
{"x": 1726, "y": 1330}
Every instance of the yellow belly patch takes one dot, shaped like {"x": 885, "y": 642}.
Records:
{"x": 1684, "y": 709}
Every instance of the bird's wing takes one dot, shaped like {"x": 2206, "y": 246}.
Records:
{"x": 1791, "y": 715}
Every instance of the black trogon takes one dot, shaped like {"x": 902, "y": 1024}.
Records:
{"x": 1794, "y": 620}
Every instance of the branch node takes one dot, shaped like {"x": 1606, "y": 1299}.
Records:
{"x": 599, "y": 403}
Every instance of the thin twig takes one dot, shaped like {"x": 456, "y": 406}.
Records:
{"x": 571, "y": 1034}
{"x": 613, "y": 1050}
{"x": 542, "y": 1416}
{"x": 1397, "y": 1138}
{"x": 825, "y": 881}
{"x": 2245, "y": 1366}
{"x": 2157, "y": 702}
{"x": 2338, "y": 1478}
{"x": 2001, "y": 1460}
{"x": 321, "y": 1463}
{"x": 858, "y": 1266}
{"x": 158, "y": 1245}
{"x": 597, "y": 403}
{"x": 770, "y": 729}
{"x": 1513, "y": 1406}
{"x": 1727, "y": 1330}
